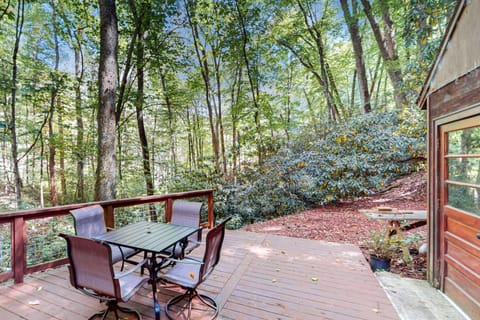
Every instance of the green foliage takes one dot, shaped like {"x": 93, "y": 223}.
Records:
{"x": 424, "y": 23}
{"x": 43, "y": 242}
{"x": 353, "y": 159}
{"x": 380, "y": 245}
{"x": 291, "y": 109}
{"x": 188, "y": 180}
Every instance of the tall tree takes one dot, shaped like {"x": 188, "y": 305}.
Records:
{"x": 252, "y": 80}
{"x": 203, "y": 61}
{"x": 352, "y": 22}
{"x": 314, "y": 28}
{"x": 306, "y": 39}
{"x": 79, "y": 148}
{"x": 13, "y": 114}
{"x": 388, "y": 48}
{"x": 106, "y": 161}
{"x": 74, "y": 19}
{"x": 142, "y": 19}
{"x": 53, "y": 103}
{"x": 170, "y": 116}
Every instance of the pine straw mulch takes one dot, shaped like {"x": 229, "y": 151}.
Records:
{"x": 342, "y": 222}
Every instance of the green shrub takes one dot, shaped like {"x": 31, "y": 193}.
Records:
{"x": 350, "y": 160}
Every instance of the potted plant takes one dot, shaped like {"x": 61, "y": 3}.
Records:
{"x": 382, "y": 246}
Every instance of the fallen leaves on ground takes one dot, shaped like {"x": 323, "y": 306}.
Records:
{"x": 342, "y": 222}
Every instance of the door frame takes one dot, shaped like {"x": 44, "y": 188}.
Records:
{"x": 436, "y": 172}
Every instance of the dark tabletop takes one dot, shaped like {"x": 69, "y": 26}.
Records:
{"x": 147, "y": 236}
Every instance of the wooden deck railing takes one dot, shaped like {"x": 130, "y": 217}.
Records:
{"x": 18, "y": 220}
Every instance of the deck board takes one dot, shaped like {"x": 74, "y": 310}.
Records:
{"x": 259, "y": 276}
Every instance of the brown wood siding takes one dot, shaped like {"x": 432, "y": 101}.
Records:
{"x": 463, "y": 92}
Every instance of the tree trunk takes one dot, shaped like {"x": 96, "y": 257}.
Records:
{"x": 352, "y": 94}
{"x": 309, "y": 66}
{"x": 79, "y": 148}
{"x": 204, "y": 68}
{"x": 142, "y": 23}
{"x": 288, "y": 105}
{"x": 139, "y": 109}
{"x": 311, "y": 110}
{"x": 170, "y": 116}
{"x": 235, "y": 96}
{"x": 53, "y": 101}
{"x": 12, "y": 126}
{"x": 388, "y": 50}
{"x": 106, "y": 158}
{"x": 5, "y": 9}
{"x": 316, "y": 34}
{"x": 61, "y": 135}
{"x": 352, "y": 23}
{"x": 197, "y": 136}
{"x": 191, "y": 142}
{"x": 51, "y": 156}
{"x": 126, "y": 71}
{"x": 221, "y": 133}
{"x": 253, "y": 86}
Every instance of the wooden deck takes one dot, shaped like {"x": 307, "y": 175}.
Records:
{"x": 259, "y": 277}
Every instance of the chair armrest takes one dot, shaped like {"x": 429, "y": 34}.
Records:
{"x": 110, "y": 229}
{"x": 119, "y": 275}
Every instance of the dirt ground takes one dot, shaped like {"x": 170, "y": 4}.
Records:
{"x": 342, "y": 222}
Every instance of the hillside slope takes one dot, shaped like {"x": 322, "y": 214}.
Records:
{"x": 342, "y": 222}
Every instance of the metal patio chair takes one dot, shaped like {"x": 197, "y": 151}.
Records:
{"x": 89, "y": 221}
{"x": 187, "y": 213}
{"x": 189, "y": 273}
{"x": 91, "y": 272}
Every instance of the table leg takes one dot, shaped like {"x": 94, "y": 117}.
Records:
{"x": 183, "y": 245}
{"x": 153, "y": 279}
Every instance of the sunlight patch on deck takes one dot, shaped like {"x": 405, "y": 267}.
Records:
{"x": 261, "y": 252}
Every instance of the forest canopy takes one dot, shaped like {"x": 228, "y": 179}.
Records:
{"x": 278, "y": 105}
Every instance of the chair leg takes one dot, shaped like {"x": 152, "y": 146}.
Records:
{"x": 113, "y": 306}
{"x": 142, "y": 269}
{"x": 208, "y": 301}
{"x": 98, "y": 314}
{"x": 188, "y": 296}
{"x": 130, "y": 310}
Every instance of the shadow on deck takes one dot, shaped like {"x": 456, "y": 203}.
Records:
{"x": 259, "y": 276}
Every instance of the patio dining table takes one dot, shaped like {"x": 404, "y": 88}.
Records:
{"x": 153, "y": 238}
{"x": 397, "y": 219}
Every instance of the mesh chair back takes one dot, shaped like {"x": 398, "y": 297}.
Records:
{"x": 186, "y": 213}
{"x": 90, "y": 265}
{"x": 89, "y": 221}
{"x": 212, "y": 249}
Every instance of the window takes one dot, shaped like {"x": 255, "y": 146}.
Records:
{"x": 463, "y": 168}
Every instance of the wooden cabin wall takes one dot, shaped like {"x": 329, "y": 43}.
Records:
{"x": 454, "y": 101}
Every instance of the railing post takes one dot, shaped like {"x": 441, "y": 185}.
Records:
{"x": 211, "y": 216}
{"x": 19, "y": 256}
{"x": 109, "y": 216}
{"x": 168, "y": 210}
